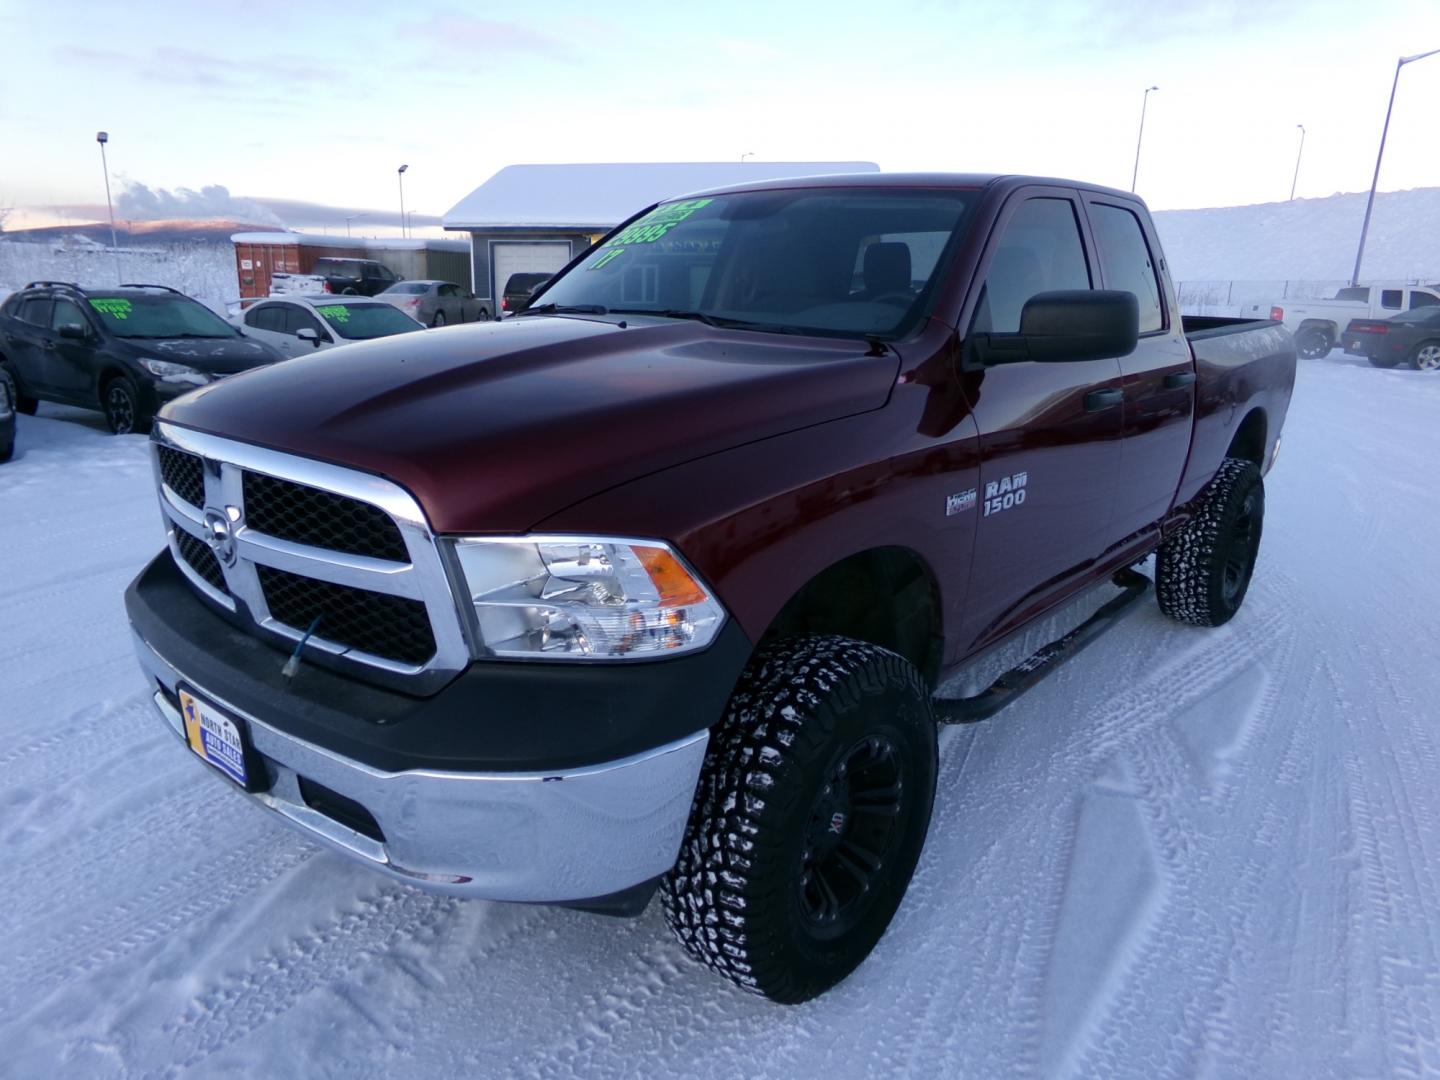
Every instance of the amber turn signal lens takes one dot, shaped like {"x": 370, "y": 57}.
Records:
{"x": 676, "y": 587}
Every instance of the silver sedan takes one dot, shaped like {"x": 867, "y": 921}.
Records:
{"x": 436, "y": 303}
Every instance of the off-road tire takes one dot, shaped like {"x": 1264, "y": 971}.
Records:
{"x": 1426, "y": 356}
{"x": 120, "y": 402}
{"x": 737, "y": 896}
{"x": 1203, "y": 572}
{"x": 1313, "y": 343}
{"x": 23, "y": 402}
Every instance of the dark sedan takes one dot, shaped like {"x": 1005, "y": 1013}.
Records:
{"x": 1411, "y": 337}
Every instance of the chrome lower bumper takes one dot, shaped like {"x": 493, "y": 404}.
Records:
{"x": 540, "y": 837}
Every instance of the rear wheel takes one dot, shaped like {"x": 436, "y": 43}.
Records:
{"x": 809, "y": 817}
{"x": 1314, "y": 343}
{"x": 1427, "y": 356}
{"x": 23, "y": 402}
{"x": 439, "y": 319}
{"x": 121, "y": 404}
{"x": 1203, "y": 572}
{"x": 484, "y": 315}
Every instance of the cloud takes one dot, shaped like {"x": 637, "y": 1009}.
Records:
{"x": 143, "y": 203}
{"x": 490, "y": 38}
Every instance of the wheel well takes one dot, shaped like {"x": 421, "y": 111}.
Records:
{"x": 1249, "y": 441}
{"x": 1329, "y": 328}
{"x": 886, "y": 596}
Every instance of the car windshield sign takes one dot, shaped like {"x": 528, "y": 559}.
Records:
{"x": 829, "y": 261}
{"x": 145, "y": 316}
{"x": 360, "y": 322}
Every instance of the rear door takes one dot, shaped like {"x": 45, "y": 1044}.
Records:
{"x": 1049, "y": 432}
{"x": 1158, "y": 378}
{"x": 29, "y": 348}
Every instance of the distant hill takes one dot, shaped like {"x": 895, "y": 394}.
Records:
{"x": 1306, "y": 239}
{"x": 140, "y": 232}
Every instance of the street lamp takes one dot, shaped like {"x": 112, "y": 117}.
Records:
{"x": 1297, "y": 161}
{"x": 401, "y": 175}
{"x": 1370, "y": 202}
{"x": 351, "y": 218}
{"x": 748, "y": 153}
{"x": 102, "y": 137}
{"x": 1143, "y": 103}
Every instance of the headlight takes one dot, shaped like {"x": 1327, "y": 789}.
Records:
{"x": 172, "y": 372}
{"x": 585, "y": 598}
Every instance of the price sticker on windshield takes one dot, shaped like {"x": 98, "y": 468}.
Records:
{"x": 335, "y": 312}
{"x": 115, "y": 308}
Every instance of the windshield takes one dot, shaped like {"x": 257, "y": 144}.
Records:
{"x": 838, "y": 261}
{"x": 359, "y": 322}
{"x": 409, "y": 288}
{"x": 143, "y": 315}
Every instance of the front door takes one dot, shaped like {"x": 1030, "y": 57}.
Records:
{"x": 1049, "y": 432}
{"x": 72, "y": 360}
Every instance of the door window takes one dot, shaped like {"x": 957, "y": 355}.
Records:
{"x": 1423, "y": 299}
{"x": 267, "y": 317}
{"x": 1390, "y": 299}
{"x": 35, "y": 310}
{"x": 1125, "y": 261}
{"x": 67, "y": 313}
{"x": 297, "y": 319}
{"x": 1040, "y": 251}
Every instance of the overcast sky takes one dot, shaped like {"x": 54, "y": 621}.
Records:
{"x": 318, "y": 102}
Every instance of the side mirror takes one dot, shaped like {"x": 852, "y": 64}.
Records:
{"x": 306, "y": 333}
{"x": 74, "y": 332}
{"x": 1057, "y": 327}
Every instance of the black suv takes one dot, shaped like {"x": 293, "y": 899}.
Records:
{"x": 363, "y": 277}
{"x": 123, "y": 351}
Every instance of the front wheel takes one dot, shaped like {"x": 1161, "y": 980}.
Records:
{"x": 1313, "y": 343}
{"x": 1203, "y": 572}
{"x": 809, "y": 817}
{"x": 484, "y": 315}
{"x": 121, "y": 403}
{"x": 23, "y": 402}
{"x": 1427, "y": 356}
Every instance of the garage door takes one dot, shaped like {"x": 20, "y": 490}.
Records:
{"x": 516, "y": 258}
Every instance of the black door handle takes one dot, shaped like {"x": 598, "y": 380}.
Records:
{"x": 1176, "y": 379}
{"x": 1100, "y": 400}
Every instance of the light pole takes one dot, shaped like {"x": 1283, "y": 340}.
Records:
{"x": 102, "y": 137}
{"x": 351, "y": 218}
{"x": 748, "y": 153}
{"x": 1298, "y": 154}
{"x": 1140, "y": 138}
{"x": 1370, "y": 202}
{"x": 400, "y": 172}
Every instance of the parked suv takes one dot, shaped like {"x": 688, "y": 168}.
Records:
{"x": 652, "y": 586}
{"x": 124, "y": 351}
{"x": 362, "y": 277}
{"x": 519, "y": 289}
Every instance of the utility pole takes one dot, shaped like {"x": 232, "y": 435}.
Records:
{"x": 1298, "y": 153}
{"x": 1141, "y": 137}
{"x": 103, "y": 137}
{"x": 1370, "y": 202}
{"x": 401, "y": 175}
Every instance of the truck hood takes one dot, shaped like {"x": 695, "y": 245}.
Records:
{"x": 496, "y": 426}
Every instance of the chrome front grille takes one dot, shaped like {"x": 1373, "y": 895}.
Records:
{"x": 283, "y": 541}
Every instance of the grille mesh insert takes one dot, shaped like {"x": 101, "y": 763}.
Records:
{"x": 201, "y": 559}
{"x": 184, "y": 474}
{"x": 394, "y": 627}
{"x": 307, "y": 515}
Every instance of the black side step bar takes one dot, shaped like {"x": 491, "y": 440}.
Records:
{"x": 1044, "y": 660}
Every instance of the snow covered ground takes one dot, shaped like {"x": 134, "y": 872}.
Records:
{"x": 1188, "y": 854}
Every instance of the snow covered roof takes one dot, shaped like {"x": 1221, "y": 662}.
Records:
{"x": 303, "y": 239}
{"x": 595, "y": 197}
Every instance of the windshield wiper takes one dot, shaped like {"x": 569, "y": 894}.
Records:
{"x": 565, "y": 309}
{"x": 722, "y": 321}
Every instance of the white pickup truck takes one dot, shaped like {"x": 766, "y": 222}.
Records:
{"x": 1318, "y": 324}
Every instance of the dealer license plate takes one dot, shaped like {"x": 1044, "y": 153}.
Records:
{"x": 217, "y": 738}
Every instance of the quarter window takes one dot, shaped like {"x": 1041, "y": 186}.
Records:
{"x": 1039, "y": 252}
{"x": 1125, "y": 261}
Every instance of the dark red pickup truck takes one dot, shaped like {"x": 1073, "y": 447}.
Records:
{"x": 653, "y": 586}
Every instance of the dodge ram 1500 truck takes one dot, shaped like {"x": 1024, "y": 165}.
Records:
{"x": 652, "y": 587}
